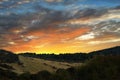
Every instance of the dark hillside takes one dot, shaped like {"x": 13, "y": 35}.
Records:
{"x": 109, "y": 51}
{"x": 8, "y": 57}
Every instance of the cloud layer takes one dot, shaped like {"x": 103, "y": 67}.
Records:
{"x": 59, "y": 25}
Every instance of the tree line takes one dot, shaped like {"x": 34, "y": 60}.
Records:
{"x": 74, "y": 57}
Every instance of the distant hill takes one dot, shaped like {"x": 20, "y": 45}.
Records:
{"x": 75, "y": 57}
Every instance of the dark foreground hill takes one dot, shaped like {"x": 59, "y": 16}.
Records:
{"x": 8, "y": 57}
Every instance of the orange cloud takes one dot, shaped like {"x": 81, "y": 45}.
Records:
{"x": 54, "y": 41}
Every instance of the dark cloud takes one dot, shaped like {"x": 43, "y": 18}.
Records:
{"x": 9, "y": 21}
{"x": 62, "y": 16}
{"x": 117, "y": 7}
{"x": 108, "y": 27}
{"x": 89, "y": 12}
{"x": 44, "y": 19}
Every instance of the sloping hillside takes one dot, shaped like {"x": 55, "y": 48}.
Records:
{"x": 21, "y": 64}
{"x": 8, "y": 57}
{"x": 34, "y": 65}
{"x": 108, "y": 51}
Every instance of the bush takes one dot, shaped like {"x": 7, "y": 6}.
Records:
{"x": 101, "y": 68}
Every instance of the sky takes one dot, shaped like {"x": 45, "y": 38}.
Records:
{"x": 59, "y": 26}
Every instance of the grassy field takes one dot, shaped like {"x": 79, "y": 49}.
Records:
{"x": 34, "y": 65}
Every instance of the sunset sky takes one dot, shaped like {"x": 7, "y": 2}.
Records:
{"x": 59, "y": 26}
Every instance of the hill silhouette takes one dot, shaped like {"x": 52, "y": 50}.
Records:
{"x": 109, "y": 51}
{"x": 8, "y": 57}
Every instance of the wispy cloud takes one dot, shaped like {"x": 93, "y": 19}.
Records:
{"x": 86, "y": 36}
{"x": 103, "y": 42}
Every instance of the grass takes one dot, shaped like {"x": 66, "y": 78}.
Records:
{"x": 34, "y": 65}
